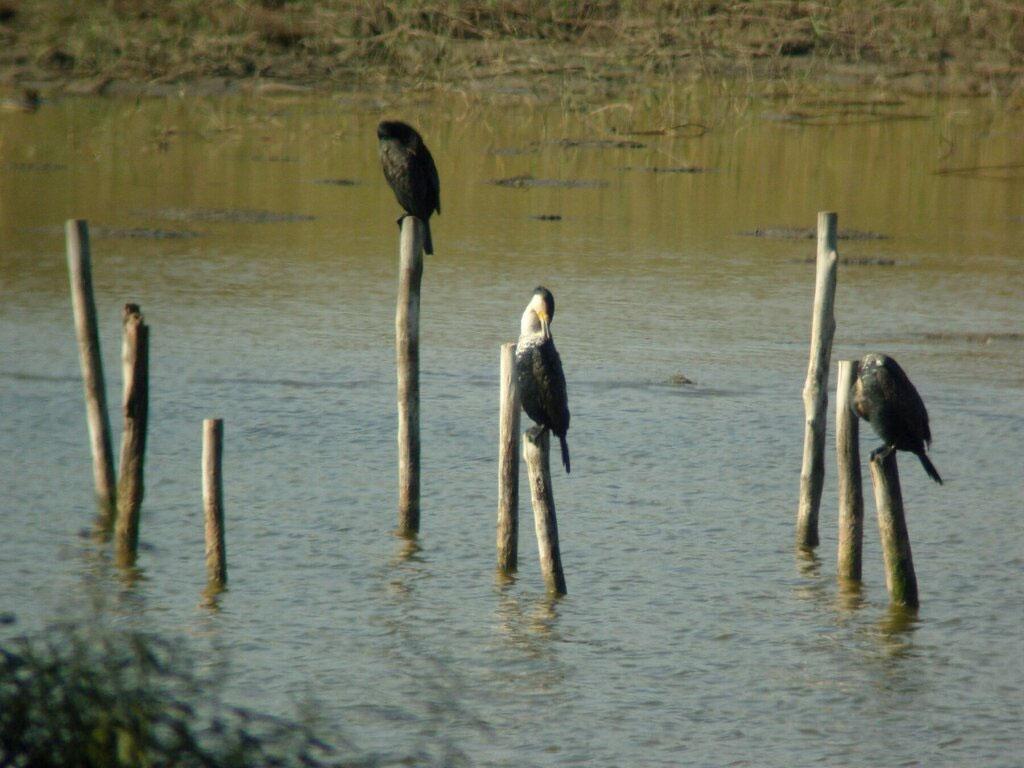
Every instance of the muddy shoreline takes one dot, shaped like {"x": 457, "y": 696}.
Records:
{"x": 507, "y": 48}
{"x": 799, "y": 80}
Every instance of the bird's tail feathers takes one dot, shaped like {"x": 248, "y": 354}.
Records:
{"x": 428, "y": 243}
{"x": 933, "y": 473}
{"x": 565, "y": 453}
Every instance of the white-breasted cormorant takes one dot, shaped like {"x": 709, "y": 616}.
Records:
{"x": 539, "y": 370}
{"x": 410, "y": 170}
{"x": 885, "y": 398}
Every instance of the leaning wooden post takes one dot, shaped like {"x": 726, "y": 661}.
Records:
{"x": 900, "y": 579}
{"x": 84, "y": 306}
{"x": 213, "y": 502}
{"x": 823, "y": 325}
{"x": 851, "y": 496}
{"x": 135, "y": 404}
{"x": 536, "y": 454}
{"x": 508, "y": 462}
{"x": 407, "y": 354}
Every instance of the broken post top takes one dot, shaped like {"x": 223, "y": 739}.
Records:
{"x": 828, "y": 230}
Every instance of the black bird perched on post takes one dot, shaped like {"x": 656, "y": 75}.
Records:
{"x": 539, "y": 370}
{"x": 885, "y": 398}
{"x": 410, "y": 170}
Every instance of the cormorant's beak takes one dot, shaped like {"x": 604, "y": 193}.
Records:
{"x": 545, "y": 328}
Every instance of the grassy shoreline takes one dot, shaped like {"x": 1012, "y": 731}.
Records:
{"x": 915, "y": 47}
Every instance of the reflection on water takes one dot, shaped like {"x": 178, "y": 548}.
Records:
{"x": 689, "y": 638}
{"x": 850, "y": 596}
{"x": 897, "y": 628}
{"x": 532, "y": 629}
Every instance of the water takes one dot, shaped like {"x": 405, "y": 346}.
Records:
{"x": 692, "y": 633}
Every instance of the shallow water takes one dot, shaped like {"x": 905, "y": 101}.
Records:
{"x": 692, "y": 633}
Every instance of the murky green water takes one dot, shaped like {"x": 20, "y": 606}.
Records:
{"x": 692, "y": 633}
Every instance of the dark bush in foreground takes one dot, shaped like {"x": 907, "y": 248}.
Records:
{"x": 74, "y": 699}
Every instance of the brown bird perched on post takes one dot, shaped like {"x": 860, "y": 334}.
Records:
{"x": 410, "y": 170}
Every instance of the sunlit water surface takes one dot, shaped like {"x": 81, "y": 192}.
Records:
{"x": 692, "y": 634}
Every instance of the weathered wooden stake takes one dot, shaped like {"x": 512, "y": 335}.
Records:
{"x": 407, "y": 354}
{"x": 135, "y": 404}
{"x": 823, "y": 325}
{"x": 84, "y": 306}
{"x": 536, "y": 454}
{"x": 900, "y": 579}
{"x": 851, "y": 495}
{"x": 213, "y": 502}
{"x": 508, "y": 462}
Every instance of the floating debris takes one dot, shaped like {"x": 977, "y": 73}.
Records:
{"x": 854, "y": 103}
{"x": 220, "y": 215}
{"x": 688, "y": 130}
{"x": 35, "y": 167}
{"x": 1000, "y": 172}
{"x": 867, "y": 261}
{"x": 809, "y": 233}
{"x": 274, "y": 159}
{"x": 974, "y": 337}
{"x": 547, "y": 217}
{"x": 525, "y": 181}
{"x": 337, "y": 182}
{"x": 514, "y": 151}
{"x": 122, "y": 233}
{"x": 144, "y": 233}
{"x": 598, "y": 144}
{"x": 27, "y": 100}
{"x": 840, "y": 117}
{"x": 679, "y": 380}
{"x": 667, "y": 168}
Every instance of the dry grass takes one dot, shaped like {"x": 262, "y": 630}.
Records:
{"x": 977, "y": 45}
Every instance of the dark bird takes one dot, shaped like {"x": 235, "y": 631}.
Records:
{"x": 410, "y": 170}
{"x": 884, "y": 397}
{"x": 539, "y": 370}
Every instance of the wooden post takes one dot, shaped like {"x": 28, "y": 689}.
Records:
{"x": 84, "y": 306}
{"x": 135, "y": 404}
{"x": 823, "y": 325}
{"x": 536, "y": 454}
{"x": 851, "y": 496}
{"x": 508, "y": 462}
{"x": 213, "y": 502}
{"x": 407, "y": 354}
{"x": 900, "y": 579}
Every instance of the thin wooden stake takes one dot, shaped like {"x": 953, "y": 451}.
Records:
{"x": 407, "y": 354}
{"x": 823, "y": 325}
{"x": 213, "y": 502}
{"x": 135, "y": 404}
{"x": 536, "y": 454}
{"x": 508, "y": 462}
{"x": 84, "y": 306}
{"x": 900, "y": 579}
{"x": 851, "y": 495}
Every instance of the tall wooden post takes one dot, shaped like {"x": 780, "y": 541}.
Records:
{"x": 213, "y": 502}
{"x": 407, "y": 354}
{"x": 900, "y": 579}
{"x": 823, "y": 325}
{"x": 536, "y": 454}
{"x": 135, "y": 404}
{"x": 84, "y": 306}
{"x": 508, "y": 462}
{"x": 851, "y": 495}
